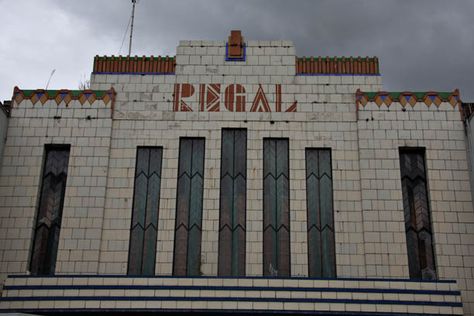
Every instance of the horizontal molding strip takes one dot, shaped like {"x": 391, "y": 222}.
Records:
{"x": 134, "y": 64}
{"x": 228, "y": 299}
{"x": 93, "y": 276}
{"x": 209, "y": 311}
{"x": 134, "y": 73}
{"x": 340, "y": 75}
{"x": 231, "y": 288}
{"x": 337, "y": 65}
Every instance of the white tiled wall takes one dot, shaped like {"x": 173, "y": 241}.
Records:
{"x": 368, "y": 211}
{"x": 440, "y": 131}
{"x": 30, "y": 128}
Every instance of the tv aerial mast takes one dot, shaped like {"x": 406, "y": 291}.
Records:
{"x": 49, "y": 79}
{"x": 131, "y": 27}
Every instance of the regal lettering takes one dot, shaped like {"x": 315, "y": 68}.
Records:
{"x": 229, "y": 98}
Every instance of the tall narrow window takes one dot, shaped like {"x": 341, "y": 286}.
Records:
{"x": 50, "y": 210}
{"x": 187, "y": 247}
{"x": 276, "y": 208}
{"x": 321, "y": 253}
{"x": 146, "y": 205}
{"x": 233, "y": 199}
{"x": 419, "y": 236}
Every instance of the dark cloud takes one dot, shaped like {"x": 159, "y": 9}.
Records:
{"x": 421, "y": 44}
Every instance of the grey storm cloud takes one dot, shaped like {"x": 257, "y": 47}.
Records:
{"x": 421, "y": 44}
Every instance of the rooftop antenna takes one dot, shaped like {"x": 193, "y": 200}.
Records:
{"x": 131, "y": 27}
{"x": 49, "y": 79}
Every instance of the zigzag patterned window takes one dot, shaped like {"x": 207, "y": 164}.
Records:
{"x": 187, "y": 246}
{"x": 321, "y": 253}
{"x": 50, "y": 209}
{"x": 276, "y": 208}
{"x": 146, "y": 205}
{"x": 419, "y": 235}
{"x": 233, "y": 198}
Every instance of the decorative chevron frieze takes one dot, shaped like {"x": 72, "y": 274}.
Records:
{"x": 64, "y": 95}
{"x": 408, "y": 98}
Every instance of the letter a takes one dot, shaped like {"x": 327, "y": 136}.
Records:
{"x": 260, "y": 103}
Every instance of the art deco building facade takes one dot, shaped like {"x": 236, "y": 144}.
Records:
{"x": 236, "y": 177}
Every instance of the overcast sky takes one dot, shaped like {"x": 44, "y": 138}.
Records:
{"x": 421, "y": 44}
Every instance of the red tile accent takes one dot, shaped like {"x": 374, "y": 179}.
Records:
{"x": 182, "y": 90}
{"x": 260, "y": 103}
{"x": 293, "y": 107}
{"x": 278, "y": 98}
{"x": 134, "y": 64}
{"x": 337, "y": 66}
{"x": 236, "y": 43}
{"x": 209, "y": 97}
{"x": 235, "y": 94}
{"x": 233, "y": 97}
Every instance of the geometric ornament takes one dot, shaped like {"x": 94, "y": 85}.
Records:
{"x": 63, "y": 95}
{"x": 408, "y": 98}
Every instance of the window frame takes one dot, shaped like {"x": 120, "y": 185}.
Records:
{"x": 132, "y": 213}
{"x": 423, "y": 153}
{"x": 319, "y": 149}
{"x": 31, "y": 263}
{"x": 241, "y": 269}
{"x": 176, "y": 227}
{"x": 265, "y": 271}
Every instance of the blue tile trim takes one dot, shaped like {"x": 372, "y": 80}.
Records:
{"x": 229, "y": 288}
{"x": 227, "y": 58}
{"x": 223, "y": 277}
{"x": 338, "y": 75}
{"x": 226, "y": 299}
{"x": 207, "y": 311}
{"x": 135, "y": 73}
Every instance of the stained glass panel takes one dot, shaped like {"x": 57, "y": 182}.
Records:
{"x": 50, "y": 209}
{"x": 419, "y": 235}
{"x": 319, "y": 199}
{"x": 276, "y": 205}
{"x": 189, "y": 203}
{"x": 146, "y": 203}
{"x": 233, "y": 199}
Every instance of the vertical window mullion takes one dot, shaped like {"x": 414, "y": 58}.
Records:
{"x": 234, "y": 244}
{"x": 152, "y": 211}
{"x": 182, "y": 208}
{"x": 240, "y": 198}
{"x": 276, "y": 215}
{"x": 327, "y": 214}
{"x": 190, "y": 203}
{"x": 195, "y": 213}
{"x": 145, "y": 213}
